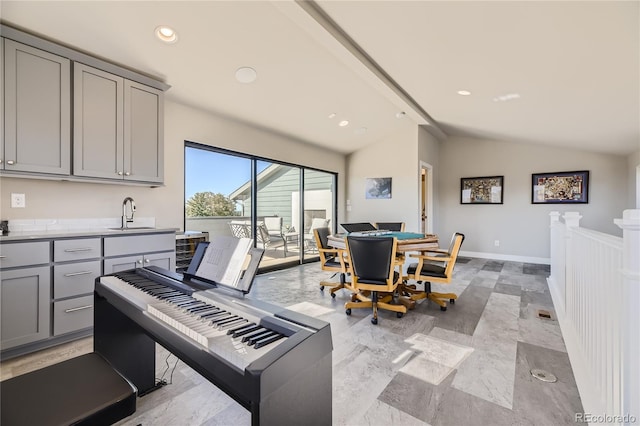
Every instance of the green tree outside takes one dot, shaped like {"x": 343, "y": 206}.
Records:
{"x": 210, "y": 204}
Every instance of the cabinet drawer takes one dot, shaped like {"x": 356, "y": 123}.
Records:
{"x": 133, "y": 244}
{"x": 73, "y": 314}
{"x": 78, "y": 249}
{"x": 24, "y": 254}
{"x": 75, "y": 278}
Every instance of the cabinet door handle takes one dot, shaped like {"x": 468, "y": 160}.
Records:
{"x": 11, "y": 162}
{"x": 147, "y": 260}
{"x": 139, "y": 261}
{"x": 78, "y": 249}
{"x": 3, "y": 257}
{"x": 127, "y": 174}
{"x": 75, "y": 274}
{"x": 79, "y": 308}
{"x": 119, "y": 173}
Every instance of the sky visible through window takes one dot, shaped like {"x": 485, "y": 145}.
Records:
{"x": 215, "y": 172}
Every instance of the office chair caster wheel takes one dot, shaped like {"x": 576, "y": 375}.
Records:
{"x": 452, "y": 301}
{"x": 443, "y": 308}
{"x": 348, "y": 311}
{"x": 321, "y": 288}
{"x": 333, "y": 295}
{"x": 399, "y": 314}
{"x": 374, "y": 321}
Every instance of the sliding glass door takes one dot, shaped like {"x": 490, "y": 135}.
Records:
{"x": 276, "y": 211}
{"x": 275, "y": 204}
{"x": 319, "y": 207}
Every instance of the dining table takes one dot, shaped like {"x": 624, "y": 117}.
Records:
{"x": 407, "y": 241}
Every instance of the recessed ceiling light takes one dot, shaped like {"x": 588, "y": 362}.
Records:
{"x": 464, "y": 92}
{"x": 400, "y": 114}
{"x": 343, "y": 123}
{"x": 166, "y": 34}
{"x": 246, "y": 75}
{"x": 332, "y": 115}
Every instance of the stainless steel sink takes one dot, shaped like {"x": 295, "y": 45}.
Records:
{"x": 132, "y": 228}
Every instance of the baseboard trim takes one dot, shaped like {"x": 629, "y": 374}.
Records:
{"x": 508, "y": 257}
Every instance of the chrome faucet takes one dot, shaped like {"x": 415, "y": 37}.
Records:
{"x": 126, "y": 219}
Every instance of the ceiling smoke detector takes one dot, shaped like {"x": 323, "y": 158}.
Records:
{"x": 246, "y": 75}
{"x": 507, "y": 97}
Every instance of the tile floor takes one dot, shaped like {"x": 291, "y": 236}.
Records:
{"x": 469, "y": 365}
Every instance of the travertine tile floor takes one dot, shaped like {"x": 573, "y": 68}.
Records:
{"x": 469, "y": 365}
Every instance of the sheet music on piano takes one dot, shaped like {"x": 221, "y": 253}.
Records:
{"x": 224, "y": 260}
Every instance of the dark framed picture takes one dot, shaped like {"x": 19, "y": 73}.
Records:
{"x": 481, "y": 190}
{"x": 560, "y": 187}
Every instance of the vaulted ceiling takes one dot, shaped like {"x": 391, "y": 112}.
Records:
{"x": 552, "y": 73}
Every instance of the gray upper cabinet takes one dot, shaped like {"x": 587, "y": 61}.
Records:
{"x": 37, "y": 112}
{"x": 68, "y": 115}
{"x": 118, "y": 127}
{"x": 143, "y": 133}
{"x": 98, "y": 140}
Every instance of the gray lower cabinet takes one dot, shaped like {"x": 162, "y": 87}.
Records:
{"x": 46, "y": 286}
{"x": 72, "y": 314}
{"x": 37, "y": 110}
{"x": 25, "y": 296}
{"x": 129, "y": 252}
{"x": 77, "y": 264}
{"x": 165, "y": 260}
{"x": 118, "y": 127}
{"x": 25, "y": 293}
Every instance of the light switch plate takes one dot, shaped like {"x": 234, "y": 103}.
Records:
{"x": 18, "y": 201}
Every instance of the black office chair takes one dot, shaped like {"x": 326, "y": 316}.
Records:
{"x": 373, "y": 262}
{"x": 331, "y": 259}
{"x": 390, "y": 226}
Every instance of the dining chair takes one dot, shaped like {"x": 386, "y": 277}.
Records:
{"x": 436, "y": 267}
{"x": 331, "y": 259}
{"x": 390, "y": 226}
{"x": 374, "y": 278}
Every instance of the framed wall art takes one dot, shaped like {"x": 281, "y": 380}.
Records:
{"x": 378, "y": 188}
{"x": 560, "y": 187}
{"x": 481, "y": 190}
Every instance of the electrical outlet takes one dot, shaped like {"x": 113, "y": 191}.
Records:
{"x": 496, "y": 243}
{"x": 18, "y": 201}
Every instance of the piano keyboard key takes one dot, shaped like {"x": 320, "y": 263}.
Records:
{"x": 238, "y": 339}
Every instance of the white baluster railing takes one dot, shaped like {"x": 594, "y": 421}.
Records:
{"x": 595, "y": 286}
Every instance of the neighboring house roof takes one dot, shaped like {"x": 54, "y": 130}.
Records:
{"x": 271, "y": 173}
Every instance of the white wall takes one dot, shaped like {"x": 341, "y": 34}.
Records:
{"x": 633, "y": 172}
{"x": 521, "y": 227}
{"x": 396, "y": 157}
{"x": 55, "y": 199}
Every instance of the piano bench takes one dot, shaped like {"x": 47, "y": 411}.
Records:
{"x": 85, "y": 391}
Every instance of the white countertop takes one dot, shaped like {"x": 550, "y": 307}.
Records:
{"x": 97, "y": 232}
